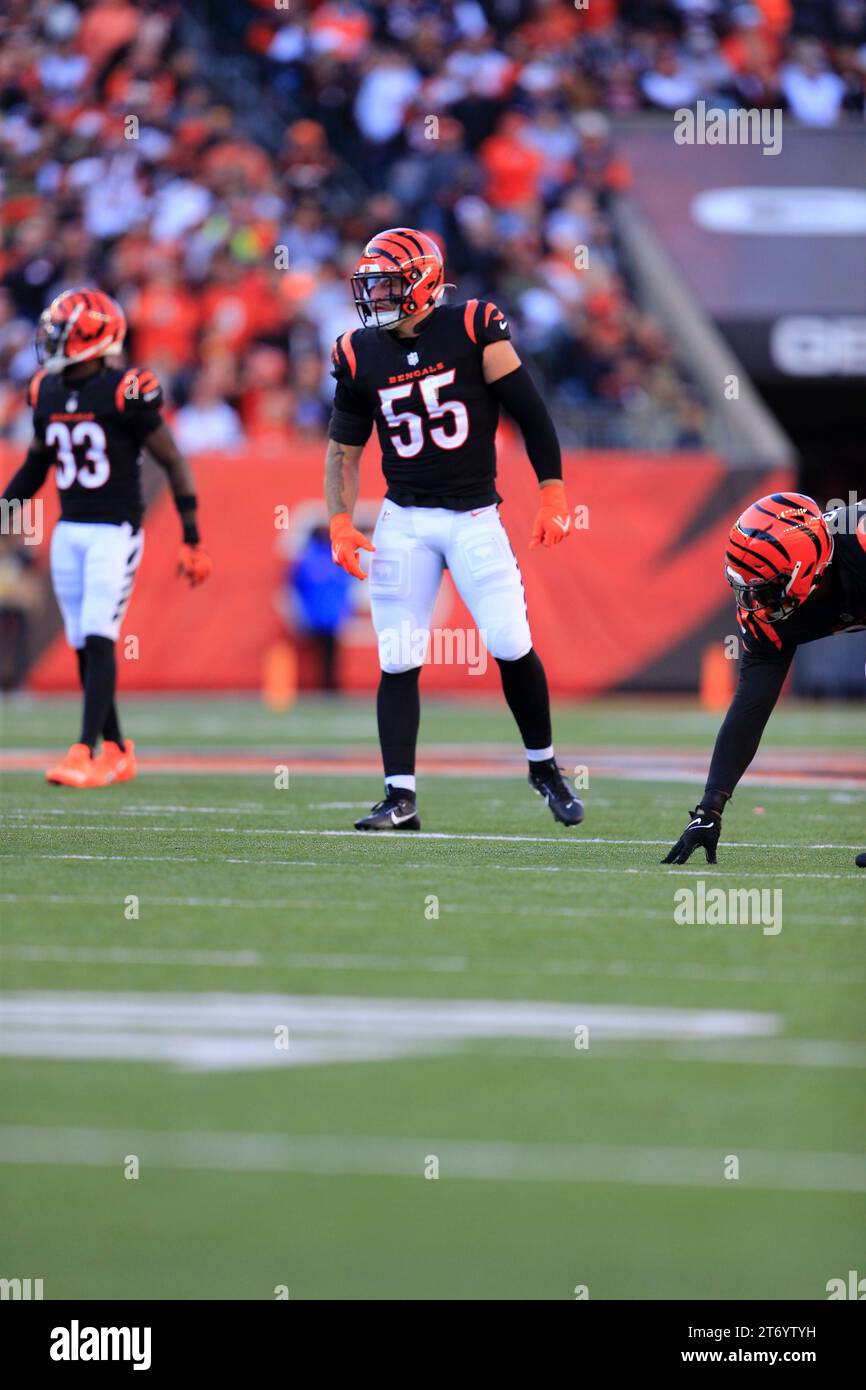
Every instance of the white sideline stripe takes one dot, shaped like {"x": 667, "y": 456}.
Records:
{"x": 372, "y": 963}
{"x": 328, "y": 864}
{"x": 564, "y": 840}
{"x": 345, "y": 1155}
{"x": 236, "y": 1031}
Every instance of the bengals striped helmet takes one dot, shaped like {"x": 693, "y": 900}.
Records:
{"x": 79, "y": 325}
{"x": 400, "y": 273}
{"x": 777, "y": 552}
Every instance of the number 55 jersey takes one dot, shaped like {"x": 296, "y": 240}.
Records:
{"x": 92, "y": 431}
{"x": 435, "y": 415}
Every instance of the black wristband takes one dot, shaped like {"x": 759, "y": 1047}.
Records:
{"x": 713, "y": 800}
{"x": 186, "y": 503}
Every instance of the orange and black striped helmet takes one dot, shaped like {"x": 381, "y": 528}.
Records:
{"x": 400, "y": 272}
{"x": 79, "y": 325}
{"x": 777, "y": 552}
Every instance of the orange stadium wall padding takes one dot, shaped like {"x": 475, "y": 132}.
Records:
{"x": 628, "y": 602}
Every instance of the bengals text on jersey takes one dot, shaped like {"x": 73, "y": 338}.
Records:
{"x": 435, "y": 415}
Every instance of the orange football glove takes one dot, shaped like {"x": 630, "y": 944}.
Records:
{"x": 553, "y": 522}
{"x": 346, "y": 541}
{"x": 194, "y": 563}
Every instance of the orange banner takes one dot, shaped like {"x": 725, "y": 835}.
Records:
{"x": 637, "y": 585}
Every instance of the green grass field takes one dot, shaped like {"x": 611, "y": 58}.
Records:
{"x": 502, "y": 997}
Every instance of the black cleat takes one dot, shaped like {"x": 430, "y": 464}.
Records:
{"x": 394, "y": 813}
{"x": 548, "y": 781}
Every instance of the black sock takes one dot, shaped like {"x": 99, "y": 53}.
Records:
{"x": 401, "y": 793}
{"x": 100, "y": 674}
{"x": 398, "y": 710}
{"x": 111, "y": 727}
{"x": 538, "y": 765}
{"x": 524, "y": 685}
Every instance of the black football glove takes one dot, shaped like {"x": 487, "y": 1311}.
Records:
{"x": 703, "y": 830}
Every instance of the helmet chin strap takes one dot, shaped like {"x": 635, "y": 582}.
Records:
{"x": 794, "y": 573}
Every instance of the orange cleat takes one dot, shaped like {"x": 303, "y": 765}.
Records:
{"x": 77, "y": 769}
{"x": 117, "y": 764}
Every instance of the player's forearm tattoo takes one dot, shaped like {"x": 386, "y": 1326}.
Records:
{"x": 341, "y": 476}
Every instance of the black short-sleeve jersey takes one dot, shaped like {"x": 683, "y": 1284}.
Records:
{"x": 93, "y": 431}
{"x": 434, "y": 413}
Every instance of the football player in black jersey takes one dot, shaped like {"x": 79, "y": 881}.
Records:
{"x": 91, "y": 420}
{"x": 432, "y": 377}
{"x": 797, "y": 574}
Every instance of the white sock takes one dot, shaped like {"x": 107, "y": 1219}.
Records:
{"x": 403, "y": 780}
{"x": 539, "y": 755}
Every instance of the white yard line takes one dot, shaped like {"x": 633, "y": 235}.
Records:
{"x": 294, "y": 903}
{"x": 565, "y": 840}
{"x": 484, "y": 1160}
{"x": 375, "y": 963}
{"x": 77, "y": 812}
{"x": 127, "y": 955}
{"x": 354, "y": 867}
{"x": 231, "y": 1031}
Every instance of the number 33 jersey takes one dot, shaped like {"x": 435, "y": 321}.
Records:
{"x": 92, "y": 431}
{"x": 427, "y": 396}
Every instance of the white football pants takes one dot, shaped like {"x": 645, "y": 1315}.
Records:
{"x": 93, "y": 567}
{"x": 413, "y": 547}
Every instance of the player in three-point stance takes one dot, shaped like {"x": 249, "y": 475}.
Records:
{"x": 91, "y": 420}
{"x": 432, "y": 378}
{"x": 797, "y": 574}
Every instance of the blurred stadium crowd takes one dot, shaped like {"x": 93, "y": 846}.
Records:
{"x": 218, "y": 167}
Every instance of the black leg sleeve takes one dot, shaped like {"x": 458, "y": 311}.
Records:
{"x": 100, "y": 675}
{"x": 524, "y": 685}
{"x": 398, "y": 709}
{"x": 111, "y": 727}
{"x": 758, "y": 688}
